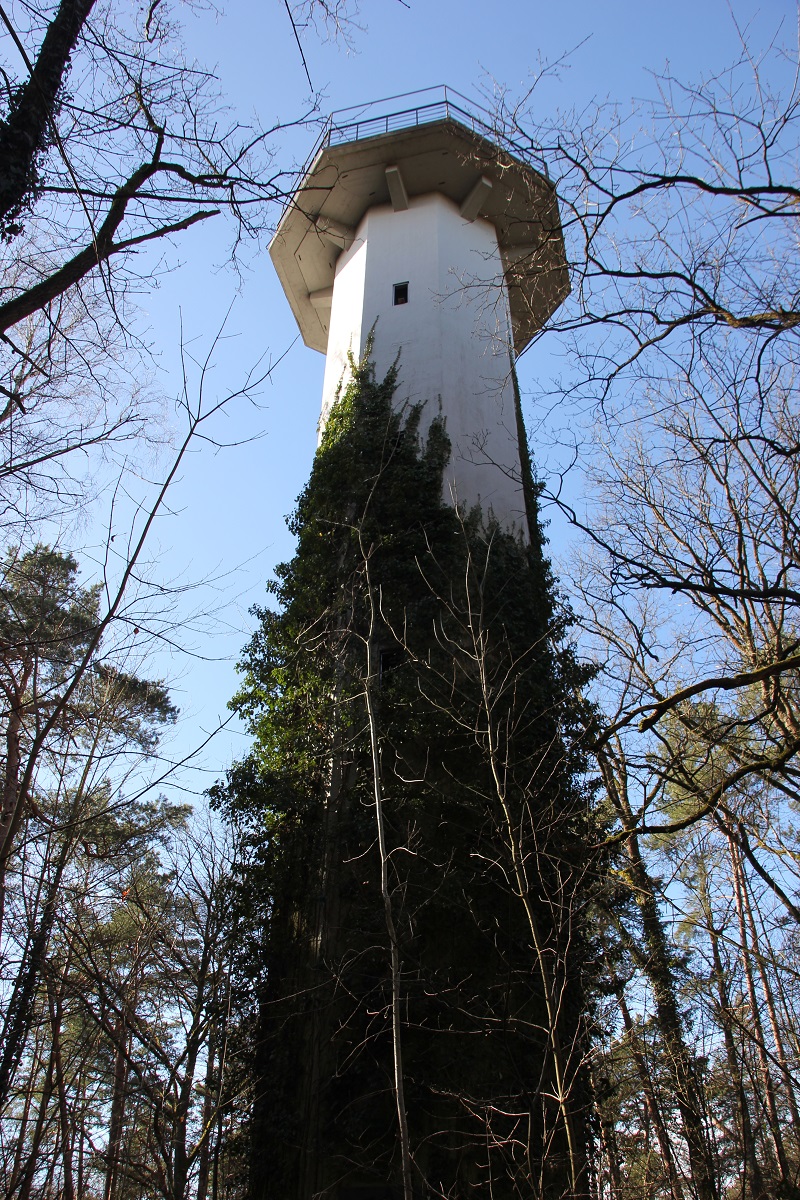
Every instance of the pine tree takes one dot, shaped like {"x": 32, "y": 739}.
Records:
{"x": 421, "y": 865}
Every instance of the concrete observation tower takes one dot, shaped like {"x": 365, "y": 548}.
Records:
{"x": 416, "y": 222}
{"x": 416, "y": 225}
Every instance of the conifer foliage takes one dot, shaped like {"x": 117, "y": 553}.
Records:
{"x": 420, "y": 874}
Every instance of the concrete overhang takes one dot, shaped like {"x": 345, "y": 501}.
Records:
{"x": 347, "y": 179}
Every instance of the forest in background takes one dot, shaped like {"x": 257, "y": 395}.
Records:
{"x": 128, "y": 972}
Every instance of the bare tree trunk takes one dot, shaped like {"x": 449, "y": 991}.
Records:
{"x": 769, "y": 1003}
{"x": 22, "y": 1128}
{"x": 16, "y": 1026}
{"x": 194, "y": 1039}
{"x": 394, "y": 945}
{"x": 26, "y": 1183}
{"x": 204, "y": 1157}
{"x": 664, "y": 1144}
{"x": 770, "y": 1104}
{"x": 10, "y": 798}
{"x": 215, "y": 1193}
{"x": 119, "y": 1097}
{"x": 24, "y": 132}
{"x": 513, "y": 836}
{"x": 655, "y": 962}
{"x": 609, "y": 1148}
{"x": 81, "y": 1154}
{"x": 54, "y": 1005}
{"x": 326, "y": 915}
{"x": 17, "y": 1169}
{"x": 221, "y": 1038}
{"x": 752, "y": 1177}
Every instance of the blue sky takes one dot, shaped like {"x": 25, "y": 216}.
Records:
{"x": 229, "y": 505}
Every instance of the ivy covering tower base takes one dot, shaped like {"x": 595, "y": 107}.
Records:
{"x": 421, "y": 870}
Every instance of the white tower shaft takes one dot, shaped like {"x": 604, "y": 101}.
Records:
{"x": 428, "y": 285}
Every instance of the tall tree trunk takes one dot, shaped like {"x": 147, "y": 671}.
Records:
{"x": 563, "y": 1069}
{"x": 194, "y": 1039}
{"x": 119, "y": 1096}
{"x": 394, "y": 944}
{"x": 770, "y": 1104}
{"x": 29, "y": 1174}
{"x": 608, "y": 1145}
{"x": 20, "y": 1154}
{"x": 653, "y": 1107}
{"x": 769, "y": 1003}
{"x": 752, "y": 1177}
{"x": 656, "y": 963}
{"x": 82, "y": 1149}
{"x": 222, "y": 1067}
{"x": 10, "y": 797}
{"x": 24, "y": 132}
{"x": 16, "y": 1026}
{"x": 54, "y": 1005}
{"x": 12, "y": 1175}
{"x": 204, "y": 1156}
{"x": 215, "y": 1192}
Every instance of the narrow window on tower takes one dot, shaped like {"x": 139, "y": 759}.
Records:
{"x": 401, "y": 293}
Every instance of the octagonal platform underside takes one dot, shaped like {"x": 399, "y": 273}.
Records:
{"x": 345, "y": 180}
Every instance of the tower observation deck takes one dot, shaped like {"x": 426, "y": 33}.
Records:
{"x": 419, "y": 225}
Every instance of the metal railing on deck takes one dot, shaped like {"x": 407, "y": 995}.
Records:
{"x": 440, "y": 103}
{"x": 432, "y": 104}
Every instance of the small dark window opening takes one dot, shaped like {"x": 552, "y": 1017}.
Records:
{"x": 401, "y": 293}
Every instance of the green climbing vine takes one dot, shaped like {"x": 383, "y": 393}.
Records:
{"x": 414, "y": 668}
